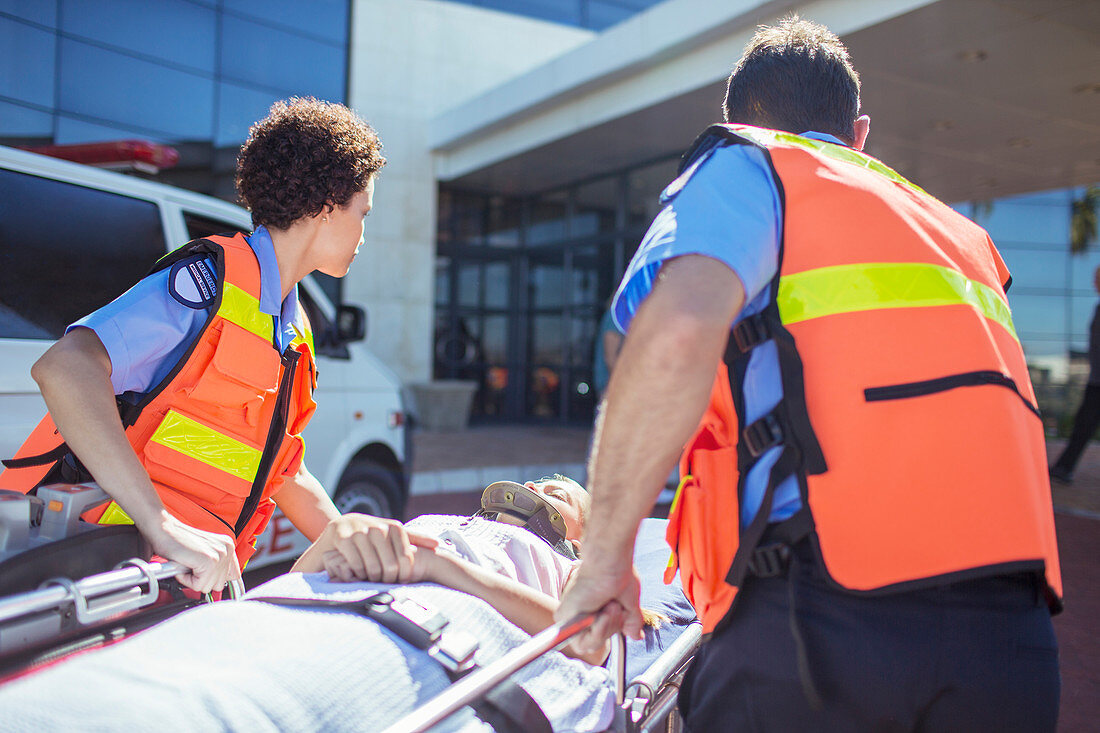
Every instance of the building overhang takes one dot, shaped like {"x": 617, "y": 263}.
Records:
{"x": 972, "y": 99}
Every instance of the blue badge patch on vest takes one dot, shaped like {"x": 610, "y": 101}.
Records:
{"x": 191, "y": 282}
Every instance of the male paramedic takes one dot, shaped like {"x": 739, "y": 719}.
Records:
{"x": 185, "y": 397}
{"x": 864, "y": 522}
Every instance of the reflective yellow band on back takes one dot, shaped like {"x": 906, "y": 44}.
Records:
{"x": 113, "y": 514}
{"x": 242, "y": 309}
{"x": 834, "y": 151}
{"x": 193, "y": 439}
{"x": 829, "y": 291}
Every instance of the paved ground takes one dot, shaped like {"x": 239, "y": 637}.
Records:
{"x": 451, "y": 468}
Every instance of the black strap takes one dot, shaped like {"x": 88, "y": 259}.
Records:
{"x": 749, "y": 333}
{"x": 51, "y": 456}
{"x": 765, "y": 433}
{"x": 507, "y": 707}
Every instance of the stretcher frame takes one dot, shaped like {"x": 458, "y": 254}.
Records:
{"x": 644, "y": 704}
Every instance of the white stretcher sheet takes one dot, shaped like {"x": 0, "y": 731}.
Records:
{"x": 255, "y": 667}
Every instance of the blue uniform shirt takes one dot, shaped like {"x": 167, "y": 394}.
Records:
{"x": 146, "y": 331}
{"x": 725, "y": 206}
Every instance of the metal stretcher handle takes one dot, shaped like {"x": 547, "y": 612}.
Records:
{"x": 60, "y": 591}
{"x": 476, "y": 684}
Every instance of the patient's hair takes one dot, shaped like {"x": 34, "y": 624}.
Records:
{"x": 583, "y": 497}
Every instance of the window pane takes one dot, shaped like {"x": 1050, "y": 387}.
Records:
{"x": 595, "y": 207}
{"x": 26, "y": 62}
{"x": 494, "y": 339}
{"x": 325, "y": 18}
{"x": 19, "y": 123}
{"x": 70, "y": 130}
{"x": 442, "y": 281}
{"x": 546, "y": 339}
{"x": 504, "y": 222}
{"x": 110, "y": 86}
{"x": 1038, "y": 315}
{"x": 103, "y": 245}
{"x": 547, "y": 283}
{"x": 469, "y": 285}
{"x": 200, "y": 226}
{"x": 544, "y": 392}
{"x": 127, "y": 24}
{"x": 238, "y": 108}
{"x": 273, "y": 58}
{"x": 1083, "y": 270}
{"x": 34, "y": 10}
{"x": 1020, "y": 220}
{"x": 583, "y": 338}
{"x": 1033, "y": 268}
{"x": 496, "y": 283}
{"x": 547, "y": 220}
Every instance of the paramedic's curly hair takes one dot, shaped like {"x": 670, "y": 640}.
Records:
{"x": 305, "y": 155}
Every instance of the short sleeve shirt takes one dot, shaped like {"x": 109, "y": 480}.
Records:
{"x": 725, "y": 206}
{"x": 146, "y": 331}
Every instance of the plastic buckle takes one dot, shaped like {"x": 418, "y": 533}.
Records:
{"x": 762, "y": 435}
{"x": 419, "y": 625}
{"x": 769, "y": 561}
{"x": 750, "y": 333}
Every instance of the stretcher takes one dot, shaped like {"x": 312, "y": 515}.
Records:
{"x": 41, "y": 628}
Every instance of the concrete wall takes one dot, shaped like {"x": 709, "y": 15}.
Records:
{"x": 410, "y": 61}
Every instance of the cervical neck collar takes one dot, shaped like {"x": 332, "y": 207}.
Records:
{"x": 530, "y": 509}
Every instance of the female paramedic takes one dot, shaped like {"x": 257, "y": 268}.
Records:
{"x": 185, "y": 397}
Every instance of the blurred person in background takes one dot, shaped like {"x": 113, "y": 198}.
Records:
{"x": 1087, "y": 419}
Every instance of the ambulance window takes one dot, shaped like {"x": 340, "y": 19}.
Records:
{"x": 66, "y": 250}
{"x": 323, "y": 331}
{"x": 200, "y": 226}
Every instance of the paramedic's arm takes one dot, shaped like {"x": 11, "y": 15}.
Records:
{"x": 655, "y": 399}
{"x": 306, "y": 503}
{"x": 74, "y": 377}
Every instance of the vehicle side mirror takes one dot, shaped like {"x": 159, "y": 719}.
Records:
{"x": 351, "y": 323}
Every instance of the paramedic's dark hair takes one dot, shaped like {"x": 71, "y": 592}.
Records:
{"x": 305, "y": 155}
{"x": 795, "y": 76}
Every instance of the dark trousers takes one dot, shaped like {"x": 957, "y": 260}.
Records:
{"x": 972, "y": 657}
{"x": 1084, "y": 426}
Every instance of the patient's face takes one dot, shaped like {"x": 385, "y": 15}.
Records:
{"x": 567, "y": 498}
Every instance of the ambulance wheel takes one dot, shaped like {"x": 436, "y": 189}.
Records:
{"x": 367, "y": 488}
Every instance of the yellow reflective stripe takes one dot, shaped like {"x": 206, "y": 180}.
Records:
{"x": 242, "y": 309}
{"x": 306, "y": 336}
{"x": 114, "y": 514}
{"x": 828, "y": 291}
{"x": 191, "y": 438}
{"x": 834, "y": 151}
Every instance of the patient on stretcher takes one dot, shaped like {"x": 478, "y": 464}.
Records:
{"x": 217, "y": 667}
{"x": 503, "y": 562}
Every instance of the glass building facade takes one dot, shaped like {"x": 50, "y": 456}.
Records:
{"x": 521, "y": 285}
{"x": 594, "y": 14}
{"x": 193, "y": 74}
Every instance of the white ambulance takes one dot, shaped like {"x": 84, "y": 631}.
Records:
{"x": 73, "y": 238}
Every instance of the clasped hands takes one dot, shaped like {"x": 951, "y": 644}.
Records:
{"x": 361, "y": 547}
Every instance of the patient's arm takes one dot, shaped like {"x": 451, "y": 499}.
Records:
{"x": 530, "y": 609}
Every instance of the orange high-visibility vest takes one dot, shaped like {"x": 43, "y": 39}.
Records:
{"x": 908, "y": 416}
{"x": 222, "y": 429}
